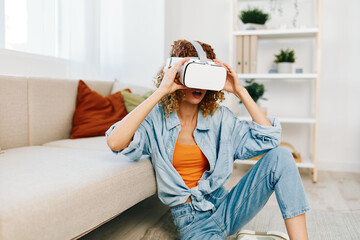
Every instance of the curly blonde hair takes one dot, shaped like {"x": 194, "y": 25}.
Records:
{"x": 209, "y": 104}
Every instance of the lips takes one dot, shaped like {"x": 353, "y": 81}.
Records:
{"x": 196, "y": 94}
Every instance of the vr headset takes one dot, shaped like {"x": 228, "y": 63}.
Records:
{"x": 200, "y": 72}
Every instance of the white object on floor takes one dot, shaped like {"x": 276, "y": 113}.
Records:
{"x": 270, "y": 235}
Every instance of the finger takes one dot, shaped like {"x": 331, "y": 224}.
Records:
{"x": 228, "y": 67}
{"x": 218, "y": 62}
{"x": 177, "y": 65}
{"x": 180, "y": 86}
{"x": 222, "y": 64}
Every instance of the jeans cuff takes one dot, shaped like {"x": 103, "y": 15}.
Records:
{"x": 295, "y": 213}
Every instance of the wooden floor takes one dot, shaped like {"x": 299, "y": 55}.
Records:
{"x": 334, "y": 191}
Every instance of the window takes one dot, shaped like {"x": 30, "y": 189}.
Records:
{"x": 30, "y": 26}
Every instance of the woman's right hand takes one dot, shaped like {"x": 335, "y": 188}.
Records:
{"x": 123, "y": 133}
{"x": 168, "y": 85}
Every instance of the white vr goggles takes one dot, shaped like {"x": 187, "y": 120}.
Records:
{"x": 200, "y": 72}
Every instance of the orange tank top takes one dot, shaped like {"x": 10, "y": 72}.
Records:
{"x": 190, "y": 163}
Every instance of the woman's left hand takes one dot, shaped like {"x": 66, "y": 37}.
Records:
{"x": 232, "y": 84}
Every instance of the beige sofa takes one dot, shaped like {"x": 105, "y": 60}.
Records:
{"x": 53, "y": 187}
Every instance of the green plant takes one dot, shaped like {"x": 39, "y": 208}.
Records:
{"x": 287, "y": 55}
{"x": 253, "y": 15}
{"x": 256, "y": 90}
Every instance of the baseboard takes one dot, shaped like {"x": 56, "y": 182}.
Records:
{"x": 339, "y": 166}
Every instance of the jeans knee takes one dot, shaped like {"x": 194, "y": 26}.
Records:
{"x": 281, "y": 156}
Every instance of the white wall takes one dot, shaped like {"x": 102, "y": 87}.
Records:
{"x": 339, "y": 128}
{"x": 203, "y": 20}
{"x": 143, "y": 40}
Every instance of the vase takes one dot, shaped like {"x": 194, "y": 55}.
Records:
{"x": 285, "y": 67}
{"x": 254, "y": 26}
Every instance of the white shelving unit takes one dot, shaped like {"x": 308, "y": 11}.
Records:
{"x": 280, "y": 33}
{"x": 306, "y": 163}
{"x": 309, "y": 162}
{"x": 309, "y": 76}
{"x": 288, "y": 120}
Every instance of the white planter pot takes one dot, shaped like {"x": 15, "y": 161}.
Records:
{"x": 285, "y": 67}
{"x": 254, "y": 26}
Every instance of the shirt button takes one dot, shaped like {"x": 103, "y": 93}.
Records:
{"x": 177, "y": 126}
{"x": 168, "y": 150}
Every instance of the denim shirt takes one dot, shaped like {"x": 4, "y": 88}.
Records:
{"x": 222, "y": 138}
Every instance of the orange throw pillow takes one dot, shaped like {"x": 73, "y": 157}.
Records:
{"x": 94, "y": 114}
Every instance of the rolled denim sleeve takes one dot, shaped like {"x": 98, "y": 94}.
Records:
{"x": 251, "y": 139}
{"x": 256, "y": 139}
{"x": 138, "y": 146}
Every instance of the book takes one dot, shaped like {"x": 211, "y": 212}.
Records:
{"x": 253, "y": 53}
{"x": 239, "y": 54}
{"x": 246, "y": 54}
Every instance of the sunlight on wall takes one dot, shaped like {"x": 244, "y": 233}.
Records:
{"x": 16, "y": 24}
{"x": 31, "y": 26}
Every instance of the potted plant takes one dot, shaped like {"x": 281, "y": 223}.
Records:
{"x": 256, "y": 91}
{"x": 285, "y": 60}
{"x": 253, "y": 18}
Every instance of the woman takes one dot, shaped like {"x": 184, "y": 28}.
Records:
{"x": 192, "y": 142}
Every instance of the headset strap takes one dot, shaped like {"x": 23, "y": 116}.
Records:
{"x": 200, "y": 51}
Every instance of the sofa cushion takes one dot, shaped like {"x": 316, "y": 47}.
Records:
{"x": 132, "y": 100}
{"x": 47, "y": 190}
{"x": 90, "y": 143}
{"x": 52, "y": 105}
{"x": 14, "y": 131}
{"x": 94, "y": 114}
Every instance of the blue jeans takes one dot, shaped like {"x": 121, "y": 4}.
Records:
{"x": 275, "y": 171}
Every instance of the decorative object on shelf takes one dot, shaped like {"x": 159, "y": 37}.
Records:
{"x": 285, "y": 60}
{"x": 256, "y": 91}
{"x": 273, "y": 68}
{"x": 276, "y": 5}
{"x": 296, "y": 13}
{"x": 287, "y": 145}
{"x": 298, "y": 70}
{"x": 253, "y": 18}
{"x": 294, "y": 153}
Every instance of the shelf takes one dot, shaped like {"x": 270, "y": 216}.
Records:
{"x": 244, "y": 50}
{"x": 280, "y": 33}
{"x": 309, "y": 76}
{"x": 306, "y": 163}
{"x": 287, "y": 120}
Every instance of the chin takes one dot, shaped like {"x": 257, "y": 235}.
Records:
{"x": 194, "y": 101}
{"x": 194, "y": 96}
